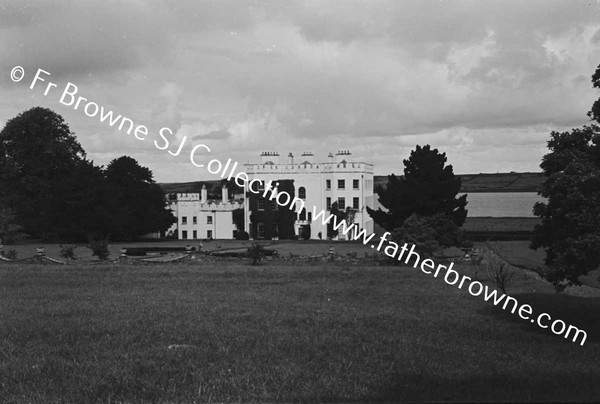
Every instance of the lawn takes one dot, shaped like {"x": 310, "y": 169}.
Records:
{"x": 520, "y": 255}
{"x": 280, "y": 333}
{"x": 28, "y": 248}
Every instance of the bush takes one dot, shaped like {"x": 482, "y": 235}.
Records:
{"x": 11, "y": 254}
{"x": 418, "y": 230}
{"x": 497, "y": 270}
{"x": 429, "y": 233}
{"x": 242, "y": 235}
{"x": 68, "y": 252}
{"x": 305, "y": 233}
{"x": 502, "y": 275}
{"x": 99, "y": 249}
{"x": 256, "y": 252}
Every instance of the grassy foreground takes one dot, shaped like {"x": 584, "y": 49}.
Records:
{"x": 193, "y": 333}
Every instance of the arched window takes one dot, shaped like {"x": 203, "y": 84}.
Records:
{"x": 302, "y": 193}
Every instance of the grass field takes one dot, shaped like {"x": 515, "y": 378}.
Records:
{"x": 520, "y": 255}
{"x": 232, "y": 332}
{"x": 283, "y": 247}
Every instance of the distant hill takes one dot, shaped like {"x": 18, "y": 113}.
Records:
{"x": 498, "y": 182}
{"x": 186, "y": 187}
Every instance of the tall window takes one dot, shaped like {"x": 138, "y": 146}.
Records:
{"x": 194, "y": 220}
{"x": 184, "y": 221}
{"x": 341, "y": 184}
{"x": 195, "y": 234}
{"x": 273, "y": 205}
{"x": 260, "y": 227}
{"x": 327, "y": 184}
{"x": 302, "y": 193}
{"x": 309, "y": 216}
{"x": 355, "y": 184}
{"x": 341, "y": 203}
{"x": 261, "y": 204}
{"x": 208, "y": 233}
{"x": 328, "y": 203}
{"x": 303, "y": 214}
{"x": 355, "y": 203}
{"x": 208, "y": 219}
{"x": 184, "y": 235}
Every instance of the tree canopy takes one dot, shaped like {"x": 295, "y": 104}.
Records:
{"x": 53, "y": 191}
{"x": 570, "y": 218}
{"x": 594, "y": 113}
{"x": 428, "y": 187}
{"x": 38, "y": 152}
{"x": 139, "y": 205}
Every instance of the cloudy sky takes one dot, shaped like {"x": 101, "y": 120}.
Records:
{"x": 484, "y": 82}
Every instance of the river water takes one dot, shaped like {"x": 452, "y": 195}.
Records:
{"x": 501, "y": 204}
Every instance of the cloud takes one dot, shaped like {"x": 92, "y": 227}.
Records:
{"x": 485, "y": 81}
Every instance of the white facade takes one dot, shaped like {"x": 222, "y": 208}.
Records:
{"x": 340, "y": 179}
{"x": 200, "y": 218}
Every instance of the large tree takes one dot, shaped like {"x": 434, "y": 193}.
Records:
{"x": 37, "y": 152}
{"x": 140, "y": 205}
{"x": 9, "y": 229}
{"x": 428, "y": 187}
{"x": 595, "y": 111}
{"x": 86, "y": 208}
{"x": 570, "y": 218}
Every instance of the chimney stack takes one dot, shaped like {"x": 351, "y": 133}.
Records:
{"x": 224, "y": 193}
{"x": 269, "y": 157}
{"x": 291, "y": 158}
{"x": 342, "y": 155}
{"x": 203, "y": 194}
{"x": 308, "y": 156}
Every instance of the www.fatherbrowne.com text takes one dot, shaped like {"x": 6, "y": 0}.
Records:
{"x": 452, "y": 277}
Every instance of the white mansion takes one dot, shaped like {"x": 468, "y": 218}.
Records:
{"x": 201, "y": 218}
{"x": 318, "y": 184}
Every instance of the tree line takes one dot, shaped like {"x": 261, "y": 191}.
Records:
{"x": 51, "y": 190}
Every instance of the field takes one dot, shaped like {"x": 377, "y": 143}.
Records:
{"x": 497, "y": 182}
{"x": 283, "y": 247}
{"x": 281, "y": 332}
{"x": 520, "y": 255}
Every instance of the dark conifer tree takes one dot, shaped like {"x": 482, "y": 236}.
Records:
{"x": 428, "y": 187}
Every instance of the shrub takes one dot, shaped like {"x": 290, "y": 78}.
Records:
{"x": 99, "y": 249}
{"x": 68, "y": 251}
{"x": 305, "y": 233}
{"x": 256, "y": 252}
{"x": 11, "y": 254}
{"x": 242, "y": 235}
{"x": 496, "y": 269}
{"x": 502, "y": 276}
